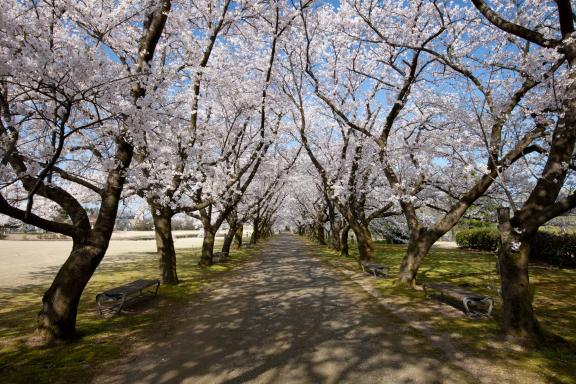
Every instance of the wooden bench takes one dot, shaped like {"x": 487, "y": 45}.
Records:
{"x": 378, "y": 270}
{"x": 119, "y": 295}
{"x": 461, "y": 294}
{"x": 219, "y": 257}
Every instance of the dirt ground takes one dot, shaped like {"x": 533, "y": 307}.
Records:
{"x": 285, "y": 317}
{"x": 23, "y": 261}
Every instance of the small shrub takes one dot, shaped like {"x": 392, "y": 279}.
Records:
{"x": 554, "y": 249}
{"x": 474, "y": 223}
{"x": 483, "y": 238}
{"x": 550, "y": 248}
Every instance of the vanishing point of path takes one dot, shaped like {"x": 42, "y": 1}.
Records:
{"x": 287, "y": 317}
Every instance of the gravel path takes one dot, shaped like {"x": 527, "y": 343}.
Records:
{"x": 286, "y": 317}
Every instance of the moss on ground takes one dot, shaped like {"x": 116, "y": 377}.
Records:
{"x": 554, "y": 303}
{"x": 100, "y": 339}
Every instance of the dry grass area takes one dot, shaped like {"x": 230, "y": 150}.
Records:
{"x": 100, "y": 339}
{"x": 480, "y": 341}
{"x": 32, "y": 262}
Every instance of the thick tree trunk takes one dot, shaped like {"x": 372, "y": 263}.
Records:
{"x": 365, "y": 244}
{"x": 207, "y": 247}
{"x": 344, "y": 241}
{"x": 335, "y": 230}
{"x": 228, "y": 240}
{"x": 57, "y": 319}
{"x": 301, "y": 230}
{"x": 320, "y": 238}
{"x": 255, "y": 232}
{"x": 238, "y": 235}
{"x": 165, "y": 244}
{"x": 519, "y": 320}
{"x": 419, "y": 244}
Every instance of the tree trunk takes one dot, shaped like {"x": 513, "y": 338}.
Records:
{"x": 335, "y": 230}
{"x": 519, "y": 320}
{"x": 238, "y": 235}
{"x": 419, "y": 244}
{"x": 301, "y": 230}
{"x": 228, "y": 240}
{"x": 207, "y": 247}
{"x": 165, "y": 244}
{"x": 57, "y": 319}
{"x": 320, "y": 238}
{"x": 344, "y": 241}
{"x": 365, "y": 245}
{"x": 255, "y": 232}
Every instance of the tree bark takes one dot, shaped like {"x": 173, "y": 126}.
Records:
{"x": 165, "y": 244}
{"x": 301, "y": 230}
{"x": 519, "y": 320}
{"x": 238, "y": 235}
{"x": 57, "y": 319}
{"x": 419, "y": 245}
{"x": 344, "y": 241}
{"x": 320, "y": 238}
{"x": 335, "y": 229}
{"x": 255, "y": 232}
{"x": 365, "y": 244}
{"x": 207, "y": 247}
{"x": 228, "y": 240}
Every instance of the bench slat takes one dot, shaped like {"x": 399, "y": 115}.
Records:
{"x": 461, "y": 294}
{"x": 119, "y": 294}
{"x": 132, "y": 287}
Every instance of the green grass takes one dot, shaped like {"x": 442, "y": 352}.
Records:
{"x": 101, "y": 340}
{"x": 554, "y": 303}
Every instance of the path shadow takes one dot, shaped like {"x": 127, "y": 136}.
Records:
{"x": 286, "y": 317}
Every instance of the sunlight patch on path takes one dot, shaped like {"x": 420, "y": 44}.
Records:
{"x": 286, "y": 317}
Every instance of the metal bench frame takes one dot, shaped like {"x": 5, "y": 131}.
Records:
{"x": 467, "y": 297}
{"x": 121, "y": 293}
{"x": 374, "y": 269}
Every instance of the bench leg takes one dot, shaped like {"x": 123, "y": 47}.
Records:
{"x": 157, "y": 286}
{"x": 99, "y": 304}
{"x": 122, "y": 301}
{"x": 466, "y": 303}
{"x": 486, "y": 300}
{"x": 490, "y": 306}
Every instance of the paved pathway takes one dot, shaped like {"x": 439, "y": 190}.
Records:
{"x": 286, "y": 317}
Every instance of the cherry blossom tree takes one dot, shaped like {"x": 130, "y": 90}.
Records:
{"x": 170, "y": 166}
{"x": 405, "y": 92}
{"x": 68, "y": 106}
{"x": 547, "y": 199}
{"x": 253, "y": 129}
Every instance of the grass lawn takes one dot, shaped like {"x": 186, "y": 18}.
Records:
{"x": 554, "y": 303}
{"x": 101, "y": 340}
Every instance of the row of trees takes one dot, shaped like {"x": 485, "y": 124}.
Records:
{"x": 416, "y": 113}
{"x": 171, "y": 101}
{"x": 426, "y": 112}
